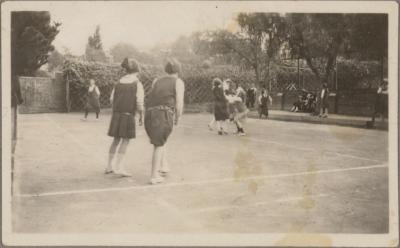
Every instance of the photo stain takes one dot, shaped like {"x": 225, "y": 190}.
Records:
{"x": 305, "y": 240}
{"x": 246, "y": 165}
{"x": 345, "y": 134}
{"x": 253, "y": 187}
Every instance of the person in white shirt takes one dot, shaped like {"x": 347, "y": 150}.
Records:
{"x": 324, "y": 100}
{"x": 164, "y": 107}
{"x": 127, "y": 100}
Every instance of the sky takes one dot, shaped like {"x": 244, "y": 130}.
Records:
{"x": 144, "y": 25}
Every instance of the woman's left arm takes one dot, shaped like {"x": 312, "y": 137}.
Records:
{"x": 140, "y": 101}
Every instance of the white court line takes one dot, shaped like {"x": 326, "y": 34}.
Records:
{"x": 257, "y": 204}
{"x": 295, "y": 147}
{"x": 202, "y": 182}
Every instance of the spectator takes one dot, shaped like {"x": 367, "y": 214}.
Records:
{"x": 324, "y": 101}
{"x": 297, "y": 105}
{"x": 381, "y": 101}
{"x": 251, "y": 96}
{"x": 263, "y": 102}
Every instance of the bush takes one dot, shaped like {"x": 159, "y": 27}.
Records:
{"x": 198, "y": 78}
{"x": 105, "y": 76}
{"x": 353, "y": 74}
{"x": 42, "y": 73}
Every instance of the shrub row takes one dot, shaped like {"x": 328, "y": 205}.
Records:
{"x": 351, "y": 74}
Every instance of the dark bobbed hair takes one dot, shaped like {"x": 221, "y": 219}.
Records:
{"x": 130, "y": 65}
{"x": 172, "y": 66}
{"x": 216, "y": 82}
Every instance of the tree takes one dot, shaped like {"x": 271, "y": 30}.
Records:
{"x": 369, "y": 38}
{"x": 318, "y": 38}
{"x": 183, "y": 50}
{"x": 123, "y": 50}
{"x": 255, "y": 45}
{"x": 94, "y": 48}
{"x": 55, "y": 60}
{"x": 31, "y": 38}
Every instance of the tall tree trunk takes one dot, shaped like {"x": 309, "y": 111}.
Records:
{"x": 313, "y": 68}
{"x": 257, "y": 71}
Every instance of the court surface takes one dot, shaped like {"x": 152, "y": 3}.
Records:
{"x": 281, "y": 177}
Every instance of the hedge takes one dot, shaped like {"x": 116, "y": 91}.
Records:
{"x": 197, "y": 80}
{"x": 351, "y": 75}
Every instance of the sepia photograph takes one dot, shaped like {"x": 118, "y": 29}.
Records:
{"x": 200, "y": 123}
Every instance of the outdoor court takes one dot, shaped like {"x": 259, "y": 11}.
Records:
{"x": 281, "y": 177}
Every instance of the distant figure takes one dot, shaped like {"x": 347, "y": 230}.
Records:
{"x": 164, "y": 107}
{"x": 92, "y": 102}
{"x": 310, "y": 103}
{"x": 239, "y": 91}
{"x": 237, "y": 106}
{"x": 127, "y": 99}
{"x": 239, "y": 113}
{"x": 263, "y": 102}
{"x": 324, "y": 100}
{"x": 221, "y": 113}
{"x": 381, "y": 101}
{"x": 297, "y": 105}
{"x": 251, "y": 96}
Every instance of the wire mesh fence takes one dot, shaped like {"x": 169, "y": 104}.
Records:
{"x": 198, "y": 79}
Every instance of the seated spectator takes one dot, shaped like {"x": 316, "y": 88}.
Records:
{"x": 297, "y": 105}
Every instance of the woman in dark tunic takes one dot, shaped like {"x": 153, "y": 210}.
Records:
{"x": 263, "y": 103}
{"x": 221, "y": 113}
{"x": 92, "y": 99}
{"x": 164, "y": 107}
{"x": 127, "y": 99}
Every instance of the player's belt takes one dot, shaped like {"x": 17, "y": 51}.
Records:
{"x": 161, "y": 107}
{"x": 123, "y": 113}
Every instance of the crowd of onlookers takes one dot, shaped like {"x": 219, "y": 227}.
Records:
{"x": 314, "y": 102}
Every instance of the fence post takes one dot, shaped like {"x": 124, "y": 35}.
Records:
{"x": 336, "y": 110}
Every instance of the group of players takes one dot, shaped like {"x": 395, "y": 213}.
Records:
{"x": 230, "y": 101}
